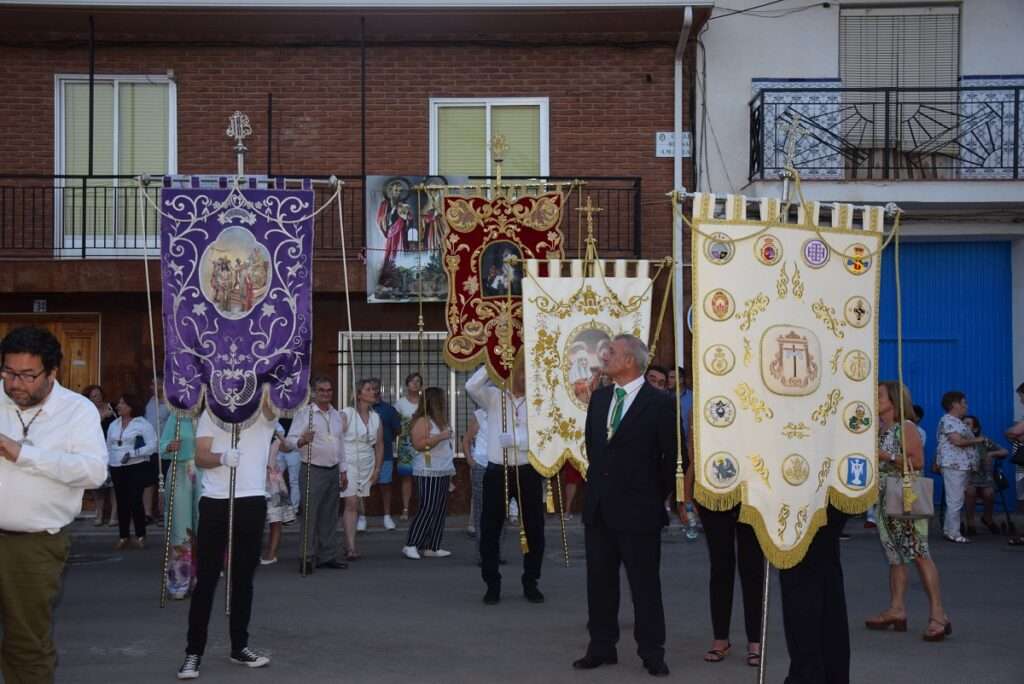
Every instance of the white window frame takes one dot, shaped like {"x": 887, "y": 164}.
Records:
{"x": 542, "y": 102}
{"x": 72, "y": 247}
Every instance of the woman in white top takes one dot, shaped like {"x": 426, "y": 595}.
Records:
{"x": 406, "y": 407}
{"x": 364, "y": 453}
{"x": 431, "y": 437}
{"x": 130, "y": 442}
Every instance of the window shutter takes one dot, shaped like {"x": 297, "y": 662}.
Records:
{"x": 142, "y": 139}
{"x": 520, "y": 124}
{"x": 462, "y": 141}
{"x": 900, "y": 47}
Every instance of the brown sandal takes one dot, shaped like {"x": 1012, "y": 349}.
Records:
{"x": 947, "y": 630}
{"x": 882, "y": 623}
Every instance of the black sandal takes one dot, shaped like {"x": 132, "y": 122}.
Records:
{"x": 716, "y": 655}
{"x": 753, "y": 659}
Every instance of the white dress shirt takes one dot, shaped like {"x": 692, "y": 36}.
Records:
{"x": 490, "y": 399}
{"x": 328, "y": 436}
{"x": 632, "y": 388}
{"x": 65, "y": 455}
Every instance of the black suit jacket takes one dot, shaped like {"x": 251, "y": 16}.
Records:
{"x": 631, "y": 475}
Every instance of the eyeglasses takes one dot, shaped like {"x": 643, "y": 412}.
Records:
{"x": 27, "y": 378}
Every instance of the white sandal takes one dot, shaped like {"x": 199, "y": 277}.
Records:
{"x": 959, "y": 539}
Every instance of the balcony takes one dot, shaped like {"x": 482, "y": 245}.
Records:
{"x": 889, "y": 134}
{"x": 102, "y": 217}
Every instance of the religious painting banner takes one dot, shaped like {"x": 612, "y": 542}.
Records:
{"x": 404, "y": 234}
{"x": 237, "y": 299}
{"x": 572, "y": 321}
{"x": 785, "y": 359}
{"x": 485, "y": 248}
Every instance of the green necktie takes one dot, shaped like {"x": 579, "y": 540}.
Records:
{"x": 620, "y": 402}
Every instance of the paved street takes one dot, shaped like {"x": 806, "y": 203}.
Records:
{"x": 388, "y": 619}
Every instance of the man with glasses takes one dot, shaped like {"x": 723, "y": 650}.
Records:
{"x": 51, "y": 450}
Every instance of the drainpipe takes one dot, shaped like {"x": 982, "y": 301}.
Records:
{"x": 677, "y": 184}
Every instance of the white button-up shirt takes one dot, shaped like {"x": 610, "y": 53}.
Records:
{"x": 65, "y": 455}
{"x": 328, "y": 436}
{"x": 490, "y": 399}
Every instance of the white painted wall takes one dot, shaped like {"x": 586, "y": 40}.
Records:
{"x": 990, "y": 37}
{"x": 805, "y": 44}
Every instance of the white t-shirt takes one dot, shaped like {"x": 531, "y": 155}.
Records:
{"x": 251, "y": 475}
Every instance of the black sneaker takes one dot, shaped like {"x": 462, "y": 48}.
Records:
{"x": 190, "y": 668}
{"x": 493, "y": 595}
{"x": 249, "y": 658}
{"x": 532, "y": 594}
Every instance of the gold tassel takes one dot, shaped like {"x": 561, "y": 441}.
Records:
{"x": 550, "y": 497}
{"x": 908, "y": 494}
{"x": 680, "y": 487}
{"x": 524, "y": 546}
{"x": 426, "y": 456}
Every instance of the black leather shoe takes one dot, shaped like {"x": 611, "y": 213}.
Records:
{"x": 333, "y": 565}
{"x": 307, "y": 570}
{"x": 656, "y": 668}
{"x": 589, "y": 662}
{"x": 493, "y": 595}
{"x": 533, "y": 595}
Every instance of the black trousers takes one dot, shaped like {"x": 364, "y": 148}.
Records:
{"x": 211, "y": 545}
{"x": 814, "y": 611}
{"x": 528, "y": 489}
{"x": 129, "y": 481}
{"x": 640, "y": 553}
{"x": 728, "y": 540}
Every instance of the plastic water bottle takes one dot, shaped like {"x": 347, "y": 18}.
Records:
{"x": 691, "y": 524}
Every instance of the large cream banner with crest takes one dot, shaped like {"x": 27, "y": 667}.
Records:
{"x": 785, "y": 350}
{"x": 568, "y": 325}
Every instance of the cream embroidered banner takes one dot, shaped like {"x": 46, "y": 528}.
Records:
{"x": 785, "y": 351}
{"x": 568, "y": 324}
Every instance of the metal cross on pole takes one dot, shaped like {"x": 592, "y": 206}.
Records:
{"x": 589, "y": 210}
{"x": 239, "y": 129}
{"x": 794, "y": 132}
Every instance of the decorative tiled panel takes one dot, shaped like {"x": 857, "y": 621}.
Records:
{"x": 816, "y": 153}
{"x": 986, "y": 126}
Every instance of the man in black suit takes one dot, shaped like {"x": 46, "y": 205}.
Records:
{"x": 631, "y": 446}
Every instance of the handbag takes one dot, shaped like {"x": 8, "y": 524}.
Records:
{"x": 909, "y": 496}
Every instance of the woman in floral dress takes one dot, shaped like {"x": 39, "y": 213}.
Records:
{"x": 181, "y": 568}
{"x": 904, "y": 541}
{"x": 406, "y": 406}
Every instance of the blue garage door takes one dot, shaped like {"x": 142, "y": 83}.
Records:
{"x": 956, "y": 331}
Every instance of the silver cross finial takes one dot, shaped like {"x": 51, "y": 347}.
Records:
{"x": 239, "y": 129}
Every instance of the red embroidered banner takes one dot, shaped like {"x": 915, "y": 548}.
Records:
{"x": 484, "y": 252}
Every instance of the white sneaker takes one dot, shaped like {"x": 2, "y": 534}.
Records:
{"x": 411, "y": 553}
{"x": 361, "y": 523}
{"x": 513, "y": 511}
{"x": 440, "y": 553}
{"x": 389, "y": 524}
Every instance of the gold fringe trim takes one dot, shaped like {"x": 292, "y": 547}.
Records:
{"x": 781, "y": 558}
{"x": 549, "y": 471}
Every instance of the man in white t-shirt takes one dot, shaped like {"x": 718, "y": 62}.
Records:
{"x": 215, "y": 455}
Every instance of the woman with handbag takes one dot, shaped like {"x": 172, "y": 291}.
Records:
{"x": 905, "y": 540}
{"x": 130, "y": 441}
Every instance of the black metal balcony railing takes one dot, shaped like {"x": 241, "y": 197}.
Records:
{"x": 889, "y": 133}
{"x": 103, "y": 217}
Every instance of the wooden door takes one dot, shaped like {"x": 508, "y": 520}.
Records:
{"x": 79, "y": 337}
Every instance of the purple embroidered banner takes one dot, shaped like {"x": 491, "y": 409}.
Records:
{"x": 237, "y": 299}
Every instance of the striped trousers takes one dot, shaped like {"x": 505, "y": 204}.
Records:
{"x": 427, "y": 527}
